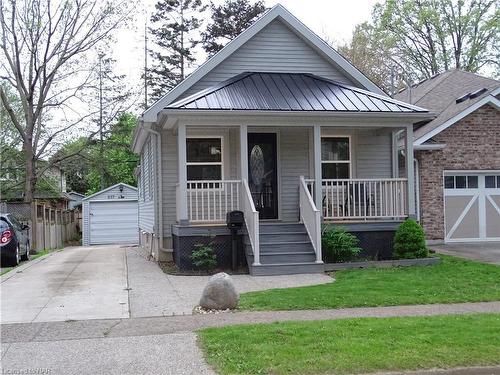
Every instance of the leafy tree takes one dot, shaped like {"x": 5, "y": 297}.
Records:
{"x": 229, "y": 20}
{"x": 11, "y": 156}
{"x": 371, "y": 52}
{"x": 175, "y": 23}
{"x": 419, "y": 38}
{"x": 76, "y": 167}
{"x": 435, "y": 35}
{"x": 117, "y": 162}
{"x": 45, "y": 52}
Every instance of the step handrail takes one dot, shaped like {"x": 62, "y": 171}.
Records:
{"x": 251, "y": 221}
{"x": 310, "y": 216}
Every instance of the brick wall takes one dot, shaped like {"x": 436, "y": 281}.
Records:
{"x": 473, "y": 143}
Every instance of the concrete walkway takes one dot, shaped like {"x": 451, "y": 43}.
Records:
{"x": 154, "y": 293}
{"x": 488, "y": 252}
{"x": 111, "y": 282}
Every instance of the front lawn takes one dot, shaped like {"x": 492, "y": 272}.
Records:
{"x": 454, "y": 280}
{"x": 354, "y": 345}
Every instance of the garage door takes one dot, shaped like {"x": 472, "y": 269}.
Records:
{"x": 113, "y": 222}
{"x": 472, "y": 206}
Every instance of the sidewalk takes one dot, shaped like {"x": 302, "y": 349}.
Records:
{"x": 168, "y": 345}
{"x": 102, "y": 328}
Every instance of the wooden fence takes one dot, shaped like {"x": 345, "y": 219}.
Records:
{"x": 52, "y": 228}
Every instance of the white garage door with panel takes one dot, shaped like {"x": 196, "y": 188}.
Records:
{"x": 472, "y": 206}
{"x": 113, "y": 222}
{"x": 110, "y": 216}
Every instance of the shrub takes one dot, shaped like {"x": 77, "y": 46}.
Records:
{"x": 409, "y": 241}
{"x": 203, "y": 257}
{"x": 339, "y": 245}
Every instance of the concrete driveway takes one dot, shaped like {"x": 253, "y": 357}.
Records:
{"x": 109, "y": 282}
{"x": 77, "y": 283}
{"x": 488, "y": 252}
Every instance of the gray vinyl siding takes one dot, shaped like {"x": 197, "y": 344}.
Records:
{"x": 371, "y": 159}
{"x": 170, "y": 166}
{"x": 274, "y": 49}
{"x": 147, "y": 185}
{"x": 170, "y": 178}
{"x": 294, "y": 160}
{"x": 373, "y": 154}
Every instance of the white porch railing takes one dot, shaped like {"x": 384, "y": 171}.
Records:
{"x": 208, "y": 201}
{"x": 363, "y": 199}
{"x": 311, "y": 217}
{"x": 251, "y": 220}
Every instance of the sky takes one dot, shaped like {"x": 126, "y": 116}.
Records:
{"x": 331, "y": 19}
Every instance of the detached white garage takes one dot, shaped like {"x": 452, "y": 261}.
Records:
{"x": 110, "y": 216}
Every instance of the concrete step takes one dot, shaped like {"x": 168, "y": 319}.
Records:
{"x": 281, "y": 227}
{"x": 285, "y": 269}
{"x": 280, "y": 237}
{"x": 284, "y": 257}
{"x": 279, "y": 247}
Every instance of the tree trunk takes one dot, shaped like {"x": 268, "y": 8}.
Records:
{"x": 30, "y": 178}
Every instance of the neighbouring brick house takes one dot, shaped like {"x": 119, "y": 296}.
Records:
{"x": 458, "y": 157}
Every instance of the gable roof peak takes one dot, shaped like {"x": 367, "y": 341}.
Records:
{"x": 276, "y": 12}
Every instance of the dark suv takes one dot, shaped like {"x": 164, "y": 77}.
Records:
{"x": 14, "y": 241}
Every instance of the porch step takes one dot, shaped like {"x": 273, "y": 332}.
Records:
{"x": 286, "y": 269}
{"x": 284, "y": 249}
{"x": 271, "y": 238}
{"x": 283, "y": 257}
{"x": 281, "y": 228}
{"x": 279, "y": 247}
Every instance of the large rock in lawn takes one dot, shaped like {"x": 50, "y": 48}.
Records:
{"x": 219, "y": 293}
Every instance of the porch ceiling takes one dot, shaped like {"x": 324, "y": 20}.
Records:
{"x": 259, "y": 91}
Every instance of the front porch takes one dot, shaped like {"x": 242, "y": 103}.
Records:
{"x": 343, "y": 201}
{"x": 283, "y": 194}
{"x": 292, "y": 151}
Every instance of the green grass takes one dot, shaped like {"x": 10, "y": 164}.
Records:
{"x": 32, "y": 257}
{"x": 454, "y": 280}
{"x": 354, "y": 345}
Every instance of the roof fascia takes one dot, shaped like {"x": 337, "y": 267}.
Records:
{"x": 109, "y": 188}
{"x": 427, "y": 147}
{"x": 489, "y": 99}
{"x": 278, "y": 118}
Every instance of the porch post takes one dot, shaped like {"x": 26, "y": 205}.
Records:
{"x": 182, "y": 199}
{"x": 244, "y": 152}
{"x": 410, "y": 171}
{"x": 318, "y": 193}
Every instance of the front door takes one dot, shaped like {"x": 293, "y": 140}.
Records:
{"x": 263, "y": 174}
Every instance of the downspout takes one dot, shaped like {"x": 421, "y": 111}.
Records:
{"x": 417, "y": 188}
{"x": 158, "y": 188}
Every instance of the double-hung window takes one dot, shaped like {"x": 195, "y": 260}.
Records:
{"x": 335, "y": 157}
{"x": 204, "y": 158}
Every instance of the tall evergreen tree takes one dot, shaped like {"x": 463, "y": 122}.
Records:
{"x": 229, "y": 20}
{"x": 174, "y": 26}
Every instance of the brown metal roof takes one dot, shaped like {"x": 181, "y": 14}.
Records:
{"x": 290, "y": 92}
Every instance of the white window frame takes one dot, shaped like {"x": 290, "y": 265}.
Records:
{"x": 221, "y": 162}
{"x": 349, "y": 137}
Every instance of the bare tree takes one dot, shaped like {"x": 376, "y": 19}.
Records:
{"x": 46, "y": 47}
